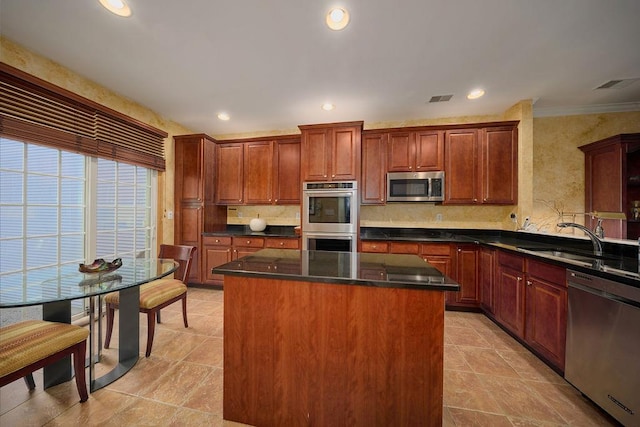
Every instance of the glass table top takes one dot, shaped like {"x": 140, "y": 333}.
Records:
{"x": 67, "y": 283}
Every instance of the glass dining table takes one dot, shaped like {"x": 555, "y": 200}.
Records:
{"x": 54, "y": 289}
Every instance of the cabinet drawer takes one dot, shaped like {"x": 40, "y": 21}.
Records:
{"x": 248, "y": 242}
{"x": 547, "y": 272}
{"x": 443, "y": 249}
{"x": 282, "y": 243}
{"x": 216, "y": 240}
{"x": 404, "y": 248}
{"x": 375, "y": 247}
{"x": 511, "y": 260}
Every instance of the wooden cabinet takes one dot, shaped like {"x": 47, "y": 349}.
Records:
{"x": 216, "y": 251}
{"x": 378, "y": 247}
{"x": 257, "y": 183}
{"x": 481, "y": 165}
{"x": 194, "y": 196}
{"x": 510, "y": 292}
{"x": 612, "y": 183}
{"x": 439, "y": 256}
{"x": 546, "y": 310}
{"x": 374, "y": 165}
{"x": 246, "y": 245}
{"x": 331, "y": 152}
{"x": 415, "y": 151}
{"x": 259, "y": 171}
{"x": 282, "y": 242}
{"x": 229, "y": 177}
{"x": 467, "y": 276}
{"x": 487, "y": 273}
{"x": 286, "y": 170}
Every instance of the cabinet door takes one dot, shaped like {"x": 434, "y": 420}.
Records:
{"x": 215, "y": 256}
{"x": 229, "y": 181}
{"x": 374, "y": 178}
{"x": 461, "y": 167}
{"x": 286, "y": 168}
{"x": 188, "y": 170}
{"x": 401, "y": 152}
{"x": 429, "y": 151}
{"x": 316, "y": 152}
{"x": 510, "y": 299}
{"x": 190, "y": 234}
{"x": 487, "y": 277}
{"x": 499, "y": 167}
{"x": 258, "y": 172}
{"x": 466, "y": 274}
{"x": 345, "y": 153}
{"x": 546, "y": 310}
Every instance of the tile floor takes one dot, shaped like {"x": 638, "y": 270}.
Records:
{"x": 489, "y": 380}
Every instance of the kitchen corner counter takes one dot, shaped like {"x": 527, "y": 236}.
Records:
{"x": 364, "y": 269}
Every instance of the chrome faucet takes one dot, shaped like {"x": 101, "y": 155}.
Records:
{"x": 597, "y": 244}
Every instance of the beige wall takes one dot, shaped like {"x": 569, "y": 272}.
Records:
{"x": 550, "y": 177}
{"x": 558, "y": 181}
{"x": 18, "y": 57}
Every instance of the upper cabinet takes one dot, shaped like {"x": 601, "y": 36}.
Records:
{"x": 415, "y": 151}
{"x": 612, "y": 183}
{"x": 259, "y": 171}
{"x": 373, "y": 187}
{"x": 331, "y": 152}
{"x": 481, "y": 165}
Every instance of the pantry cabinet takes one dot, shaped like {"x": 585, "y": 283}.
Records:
{"x": 331, "y": 152}
{"x": 194, "y": 196}
{"x": 481, "y": 165}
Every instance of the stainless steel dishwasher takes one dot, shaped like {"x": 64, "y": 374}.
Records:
{"x": 603, "y": 344}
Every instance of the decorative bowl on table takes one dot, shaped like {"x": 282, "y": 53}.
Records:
{"x": 101, "y": 266}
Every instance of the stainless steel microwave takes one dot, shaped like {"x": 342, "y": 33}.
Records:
{"x": 415, "y": 186}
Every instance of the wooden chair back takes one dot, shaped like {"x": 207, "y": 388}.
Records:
{"x": 182, "y": 254}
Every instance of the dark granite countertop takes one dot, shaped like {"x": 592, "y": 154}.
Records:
{"x": 619, "y": 262}
{"x": 365, "y": 269}
{"x": 244, "y": 230}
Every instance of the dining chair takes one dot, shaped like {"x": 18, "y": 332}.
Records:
{"x": 33, "y": 344}
{"x": 158, "y": 294}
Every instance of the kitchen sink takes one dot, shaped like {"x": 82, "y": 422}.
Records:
{"x": 565, "y": 255}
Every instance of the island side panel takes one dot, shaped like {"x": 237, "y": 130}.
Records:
{"x": 301, "y": 352}
{"x": 395, "y": 356}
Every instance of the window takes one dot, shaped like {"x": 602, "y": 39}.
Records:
{"x": 60, "y": 209}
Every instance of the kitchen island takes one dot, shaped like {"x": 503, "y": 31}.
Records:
{"x": 333, "y": 338}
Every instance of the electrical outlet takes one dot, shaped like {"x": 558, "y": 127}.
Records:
{"x": 239, "y": 214}
{"x": 169, "y": 214}
{"x": 297, "y": 215}
{"x": 439, "y": 217}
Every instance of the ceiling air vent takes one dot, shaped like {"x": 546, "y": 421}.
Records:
{"x": 440, "y": 98}
{"x": 617, "y": 84}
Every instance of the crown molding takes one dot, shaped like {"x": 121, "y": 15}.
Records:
{"x": 585, "y": 109}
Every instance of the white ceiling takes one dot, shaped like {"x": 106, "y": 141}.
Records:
{"x": 271, "y": 64}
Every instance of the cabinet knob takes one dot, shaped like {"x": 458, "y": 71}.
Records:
{"x": 529, "y": 283}
{"x": 276, "y": 200}
{"x": 248, "y": 242}
{"x": 239, "y": 200}
{"x": 281, "y": 243}
{"x": 519, "y": 279}
{"x": 217, "y": 240}
{"x": 485, "y": 199}
{"x": 475, "y": 200}
{"x": 409, "y": 167}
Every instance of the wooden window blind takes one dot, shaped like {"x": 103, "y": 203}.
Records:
{"x": 33, "y": 110}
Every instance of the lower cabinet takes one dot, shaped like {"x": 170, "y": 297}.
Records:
{"x": 531, "y": 302}
{"x": 510, "y": 292}
{"x": 487, "y": 271}
{"x": 546, "y": 310}
{"x": 218, "y": 250}
{"x": 466, "y": 274}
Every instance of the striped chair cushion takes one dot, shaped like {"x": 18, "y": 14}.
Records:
{"x": 24, "y": 343}
{"x": 154, "y": 293}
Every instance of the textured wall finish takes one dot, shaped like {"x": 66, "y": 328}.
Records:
{"x": 558, "y": 164}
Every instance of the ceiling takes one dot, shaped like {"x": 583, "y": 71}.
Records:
{"x": 271, "y": 64}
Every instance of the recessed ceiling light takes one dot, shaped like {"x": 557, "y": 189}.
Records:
{"x": 327, "y": 106}
{"x": 475, "y": 94}
{"x": 224, "y": 116}
{"x": 119, "y": 7}
{"x": 337, "y": 18}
